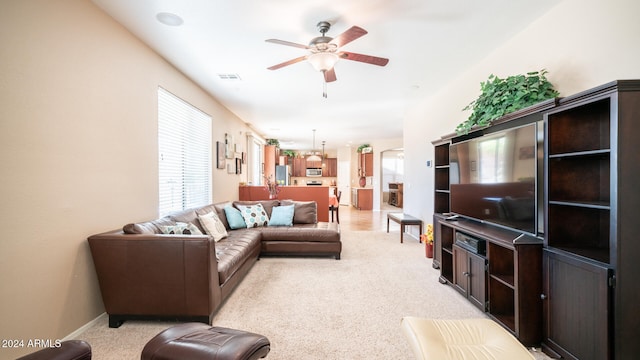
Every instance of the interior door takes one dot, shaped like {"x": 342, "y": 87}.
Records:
{"x": 344, "y": 169}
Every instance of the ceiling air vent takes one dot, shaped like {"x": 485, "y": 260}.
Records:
{"x": 229, "y": 77}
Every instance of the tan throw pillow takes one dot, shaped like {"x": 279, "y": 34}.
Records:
{"x": 213, "y": 226}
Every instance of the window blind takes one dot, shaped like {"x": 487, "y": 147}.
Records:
{"x": 184, "y": 154}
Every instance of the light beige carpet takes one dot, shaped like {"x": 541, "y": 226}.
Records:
{"x": 319, "y": 308}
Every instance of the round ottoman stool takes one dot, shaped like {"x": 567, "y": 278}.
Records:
{"x": 197, "y": 341}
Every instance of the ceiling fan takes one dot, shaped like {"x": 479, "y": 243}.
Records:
{"x": 325, "y": 51}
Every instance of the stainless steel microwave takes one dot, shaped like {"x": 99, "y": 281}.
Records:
{"x": 314, "y": 172}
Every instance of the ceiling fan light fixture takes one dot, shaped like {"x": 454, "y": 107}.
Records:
{"x": 323, "y": 61}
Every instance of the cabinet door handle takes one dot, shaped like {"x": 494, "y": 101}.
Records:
{"x": 543, "y": 296}
{"x": 465, "y": 273}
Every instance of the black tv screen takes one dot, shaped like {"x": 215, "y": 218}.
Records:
{"x": 493, "y": 178}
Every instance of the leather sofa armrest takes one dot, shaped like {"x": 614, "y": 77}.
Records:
{"x": 156, "y": 274}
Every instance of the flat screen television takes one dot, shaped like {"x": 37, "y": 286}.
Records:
{"x": 494, "y": 179}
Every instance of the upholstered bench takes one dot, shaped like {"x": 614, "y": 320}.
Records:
{"x": 404, "y": 220}
{"x": 475, "y": 339}
{"x": 197, "y": 341}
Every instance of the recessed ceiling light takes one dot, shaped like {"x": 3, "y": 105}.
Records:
{"x": 169, "y": 19}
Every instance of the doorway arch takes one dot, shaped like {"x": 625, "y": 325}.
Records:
{"x": 392, "y": 171}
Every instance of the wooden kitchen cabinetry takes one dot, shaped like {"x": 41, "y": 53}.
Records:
{"x": 299, "y": 167}
{"x": 362, "y": 199}
{"x": 330, "y": 167}
{"x": 271, "y": 158}
{"x": 313, "y": 164}
{"x": 365, "y": 164}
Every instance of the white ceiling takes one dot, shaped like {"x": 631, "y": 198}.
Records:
{"x": 427, "y": 42}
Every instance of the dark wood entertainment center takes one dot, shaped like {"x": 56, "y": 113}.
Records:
{"x": 572, "y": 286}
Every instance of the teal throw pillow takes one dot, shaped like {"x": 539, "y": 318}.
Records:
{"x": 234, "y": 218}
{"x": 282, "y": 216}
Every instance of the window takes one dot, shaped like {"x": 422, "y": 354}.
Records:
{"x": 492, "y": 154}
{"x": 184, "y": 154}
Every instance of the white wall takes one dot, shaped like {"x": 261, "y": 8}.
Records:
{"x": 78, "y": 148}
{"x": 582, "y": 43}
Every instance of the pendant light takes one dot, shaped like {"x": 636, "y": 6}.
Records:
{"x": 314, "y": 156}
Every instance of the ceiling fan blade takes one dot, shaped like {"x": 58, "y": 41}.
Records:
{"x": 290, "y": 62}
{"x": 348, "y": 36}
{"x": 287, "y": 43}
{"x": 330, "y": 75}
{"x": 373, "y": 60}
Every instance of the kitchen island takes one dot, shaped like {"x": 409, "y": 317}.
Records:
{"x": 319, "y": 194}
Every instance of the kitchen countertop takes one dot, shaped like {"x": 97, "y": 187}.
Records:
{"x": 319, "y": 194}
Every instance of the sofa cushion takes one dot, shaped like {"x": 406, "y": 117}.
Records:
{"x": 234, "y": 218}
{"x": 305, "y": 212}
{"x": 213, "y": 225}
{"x": 219, "y": 208}
{"x": 319, "y": 232}
{"x": 254, "y": 215}
{"x": 266, "y": 204}
{"x": 232, "y": 252}
{"x": 282, "y": 216}
{"x": 181, "y": 228}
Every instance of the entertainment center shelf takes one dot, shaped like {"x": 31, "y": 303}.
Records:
{"x": 569, "y": 283}
{"x": 495, "y": 284}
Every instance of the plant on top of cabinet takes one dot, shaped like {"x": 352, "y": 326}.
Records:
{"x": 289, "y": 153}
{"x": 502, "y": 96}
{"x": 363, "y": 146}
{"x": 275, "y": 142}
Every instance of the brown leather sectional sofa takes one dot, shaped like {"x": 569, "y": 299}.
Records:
{"x": 145, "y": 274}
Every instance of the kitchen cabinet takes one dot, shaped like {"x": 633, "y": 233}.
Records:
{"x": 362, "y": 199}
{"x": 365, "y": 164}
{"x": 271, "y": 154}
{"x": 330, "y": 167}
{"x": 299, "y": 167}
{"x": 314, "y": 164}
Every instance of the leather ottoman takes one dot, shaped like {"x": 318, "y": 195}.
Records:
{"x": 461, "y": 339}
{"x": 68, "y": 350}
{"x": 197, "y": 341}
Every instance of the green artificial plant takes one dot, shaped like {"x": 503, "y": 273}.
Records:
{"x": 502, "y": 96}
{"x": 362, "y": 147}
{"x": 273, "y": 142}
{"x": 289, "y": 153}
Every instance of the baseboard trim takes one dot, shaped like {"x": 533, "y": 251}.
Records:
{"x": 83, "y": 328}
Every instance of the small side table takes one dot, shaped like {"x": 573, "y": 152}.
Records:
{"x": 404, "y": 220}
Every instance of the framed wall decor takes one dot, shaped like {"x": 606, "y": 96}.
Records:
{"x": 220, "y": 155}
{"x": 238, "y": 166}
{"x": 229, "y": 146}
